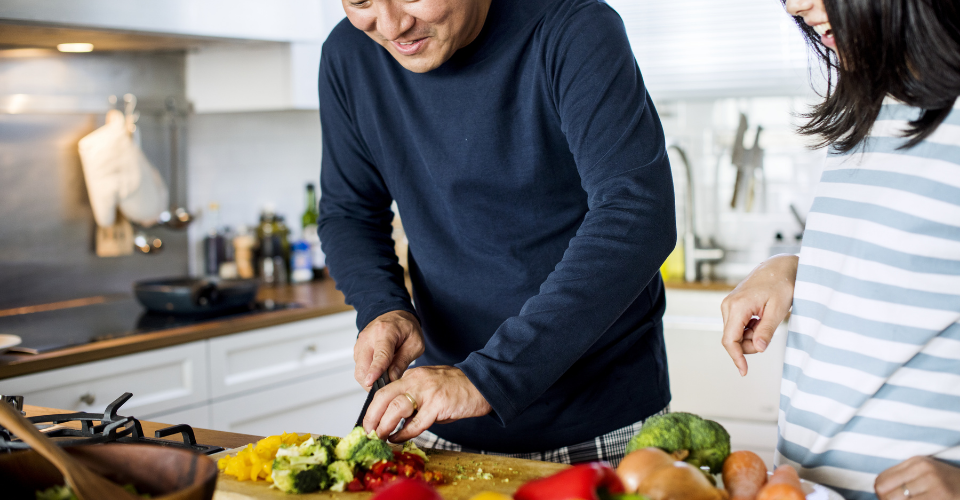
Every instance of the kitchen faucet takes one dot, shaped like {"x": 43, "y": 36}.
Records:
{"x": 693, "y": 253}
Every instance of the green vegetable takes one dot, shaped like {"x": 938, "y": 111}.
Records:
{"x": 299, "y": 478}
{"x": 307, "y": 453}
{"x": 669, "y": 432}
{"x": 56, "y": 493}
{"x": 411, "y": 447}
{"x": 339, "y": 473}
{"x": 709, "y": 444}
{"x": 63, "y": 492}
{"x": 700, "y": 442}
{"x": 351, "y": 443}
{"x": 373, "y": 451}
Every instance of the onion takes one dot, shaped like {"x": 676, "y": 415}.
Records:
{"x": 678, "y": 481}
{"x": 636, "y": 466}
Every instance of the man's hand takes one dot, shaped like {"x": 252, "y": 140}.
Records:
{"x": 442, "y": 394}
{"x": 393, "y": 341}
{"x": 766, "y": 293}
{"x": 919, "y": 478}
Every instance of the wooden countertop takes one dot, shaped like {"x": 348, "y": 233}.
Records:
{"x": 706, "y": 286}
{"x": 227, "y": 440}
{"x": 319, "y": 298}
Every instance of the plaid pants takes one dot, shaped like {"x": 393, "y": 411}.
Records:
{"x": 609, "y": 447}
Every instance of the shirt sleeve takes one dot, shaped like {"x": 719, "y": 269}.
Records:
{"x": 355, "y": 224}
{"x": 617, "y": 141}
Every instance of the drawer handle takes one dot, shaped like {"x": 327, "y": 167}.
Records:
{"x": 312, "y": 348}
{"x": 88, "y": 399}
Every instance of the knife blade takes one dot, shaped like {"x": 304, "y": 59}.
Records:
{"x": 377, "y": 385}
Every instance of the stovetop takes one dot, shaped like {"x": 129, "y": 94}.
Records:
{"x": 57, "y": 329}
{"x": 97, "y": 428}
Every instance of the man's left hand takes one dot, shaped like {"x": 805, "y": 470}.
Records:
{"x": 437, "y": 394}
{"x": 919, "y": 478}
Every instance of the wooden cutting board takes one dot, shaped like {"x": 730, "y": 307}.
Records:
{"x": 508, "y": 475}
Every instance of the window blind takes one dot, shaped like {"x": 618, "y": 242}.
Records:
{"x": 706, "y": 48}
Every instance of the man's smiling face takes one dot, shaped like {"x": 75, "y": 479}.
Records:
{"x": 420, "y": 34}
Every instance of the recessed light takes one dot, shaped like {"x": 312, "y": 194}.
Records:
{"x": 75, "y": 47}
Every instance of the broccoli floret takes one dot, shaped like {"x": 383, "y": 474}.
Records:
{"x": 307, "y": 453}
{"x": 411, "y": 447}
{"x": 298, "y": 478}
{"x": 329, "y": 442}
{"x": 373, "y": 451}
{"x": 709, "y": 444}
{"x": 350, "y": 443}
{"x": 668, "y": 432}
{"x": 339, "y": 473}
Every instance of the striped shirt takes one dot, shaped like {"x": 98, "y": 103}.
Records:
{"x": 872, "y": 367}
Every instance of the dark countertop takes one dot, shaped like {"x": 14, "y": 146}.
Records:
{"x": 318, "y": 298}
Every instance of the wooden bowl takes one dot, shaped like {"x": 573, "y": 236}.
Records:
{"x": 164, "y": 473}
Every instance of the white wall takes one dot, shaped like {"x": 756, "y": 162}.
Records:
{"x": 243, "y": 161}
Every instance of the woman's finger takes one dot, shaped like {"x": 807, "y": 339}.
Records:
{"x": 733, "y": 329}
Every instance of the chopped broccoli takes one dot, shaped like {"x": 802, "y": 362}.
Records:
{"x": 373, "y": 451}
{"x": 329, "y": 442}
{"x": 689, "y": 437}
{"x": 298, "y": 478}
{"x": 339, "y": 473}
{"x": 350, "y": 443}
{"x": 709, "y": 444}
{"x": 411, "y": 447}
{"x": 307, "y": 453}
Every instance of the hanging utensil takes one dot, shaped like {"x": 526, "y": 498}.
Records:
{"x": 177, "y": 217}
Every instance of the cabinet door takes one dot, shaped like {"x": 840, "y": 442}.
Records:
{"x": 198, "y": 417}
{"x": 325, "y": 404}
{"x": 161, "y": 380}
{"x": 281, "y": 354}
{"x": 703, "y": 378}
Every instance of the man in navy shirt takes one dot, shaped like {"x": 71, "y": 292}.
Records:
{"x": 528, "y": 165}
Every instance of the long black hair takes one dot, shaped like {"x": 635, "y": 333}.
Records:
{"x": 909, "y": 49}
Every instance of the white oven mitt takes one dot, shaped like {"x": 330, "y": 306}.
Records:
{"x": 118, "y": 175}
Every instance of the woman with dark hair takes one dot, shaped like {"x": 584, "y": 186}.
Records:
{"x": 870, "y": 398}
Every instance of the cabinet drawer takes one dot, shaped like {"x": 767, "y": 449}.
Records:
{"x": 160, "y": 380}
{"x": 326, "y": 404}
{"x": 268, "y": 356}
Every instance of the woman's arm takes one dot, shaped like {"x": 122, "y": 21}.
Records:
{"x": 766, "y": 293}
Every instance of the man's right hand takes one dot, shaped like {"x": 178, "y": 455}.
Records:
{"x": 767, "y": 293}
{"x": 393, "y": 340}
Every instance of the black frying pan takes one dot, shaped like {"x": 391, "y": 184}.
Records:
{"x": 195, "y": 295}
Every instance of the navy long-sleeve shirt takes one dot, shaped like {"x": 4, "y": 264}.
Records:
{"x": 533, "y": 183}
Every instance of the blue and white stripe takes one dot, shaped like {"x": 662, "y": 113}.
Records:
{"x": 872, "y": 367}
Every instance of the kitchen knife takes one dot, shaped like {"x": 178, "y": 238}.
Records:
{"x": 377, "y": 385}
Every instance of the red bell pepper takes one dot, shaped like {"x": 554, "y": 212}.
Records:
{"x": 580, "y": 482}
{"x": 407, "y": 489}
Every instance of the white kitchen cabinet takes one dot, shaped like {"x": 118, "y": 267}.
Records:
{"x": 280, "y": 354}
{"x": 704, "y": 380}
{"x": 277, "y": 20}
{"x": 198, "y": 417}
{"x": 161, "y": 380}
{"x": 325, "y": 404}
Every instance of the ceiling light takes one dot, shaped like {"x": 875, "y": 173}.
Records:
{"x": 75, "y": 47}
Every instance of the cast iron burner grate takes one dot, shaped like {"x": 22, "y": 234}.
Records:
{"x": 110, "y": 428}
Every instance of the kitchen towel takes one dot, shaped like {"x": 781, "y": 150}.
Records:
{"x": 118, "y": 175}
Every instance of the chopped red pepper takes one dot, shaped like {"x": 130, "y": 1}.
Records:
{"x": 355, "y": 485}
{"x": 407, "y": 489}
{"x": 581, "y": 482}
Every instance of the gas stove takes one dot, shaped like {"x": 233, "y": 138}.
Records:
{"x": 96, "y": 428}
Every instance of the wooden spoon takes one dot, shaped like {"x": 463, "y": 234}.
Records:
{"x": 86, "y": 484}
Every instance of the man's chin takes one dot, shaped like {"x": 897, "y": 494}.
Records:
{"x": 420, "y": 63}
